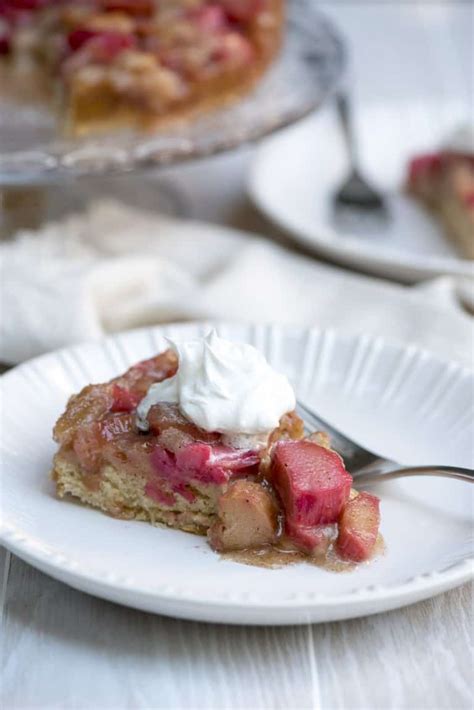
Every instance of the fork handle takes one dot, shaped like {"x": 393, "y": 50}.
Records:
{"x": 462, "y": 474}
{"x": 345, "y": 119}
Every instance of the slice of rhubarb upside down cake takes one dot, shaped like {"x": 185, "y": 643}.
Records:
{"x": 204, "y": 438}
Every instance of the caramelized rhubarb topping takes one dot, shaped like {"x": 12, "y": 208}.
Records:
{"x": 135, "y": 8}
{"x": 203, "y": 463}
{"x": 209, "y": 17}
{"x": 95, "y": 402}
{"x": 246, "y": 518}
{"x": 139, "y": 377}
{"x": 5, "y": 43}
{"x": 358, "y": 528}
{"x": 424, "y": 165}
{"x": 310, "y": 539}
{"x": 164, "y": 416}
{"x": 291, "y": 426}
{"x": 88, "y": 406}
{"x": 242, "y": 10}
{"x": 311, "y": 481}
{"x": 91, "y": 439}
{"x": 124, "y": 400}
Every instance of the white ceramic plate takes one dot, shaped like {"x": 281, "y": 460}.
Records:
{"x": 296, "y": 172}
{"x": 402, "y": 402}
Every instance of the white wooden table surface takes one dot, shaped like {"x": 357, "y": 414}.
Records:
{"x": 64, "y": 649}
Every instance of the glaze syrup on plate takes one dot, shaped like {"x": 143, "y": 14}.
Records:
{"x": 277, "y": 556}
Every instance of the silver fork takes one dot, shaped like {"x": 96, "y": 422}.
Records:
{"x": 357, "y": 205}
{"x": 367, "y": 467}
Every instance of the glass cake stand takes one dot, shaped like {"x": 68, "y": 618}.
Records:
{"x": 33, "y": 154}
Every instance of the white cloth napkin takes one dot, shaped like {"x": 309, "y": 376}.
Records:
{"x": 115, "y": 268}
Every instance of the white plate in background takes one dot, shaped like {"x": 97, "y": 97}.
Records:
{"x": 402, "y": 402}
{"x": 296, "y": 172}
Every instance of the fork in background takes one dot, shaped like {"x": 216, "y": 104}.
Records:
{"x": 357, "y": 205}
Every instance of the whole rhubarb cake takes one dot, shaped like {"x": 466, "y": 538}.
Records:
{"x": 141, "y": 62}
{"x": 204, "y": 438}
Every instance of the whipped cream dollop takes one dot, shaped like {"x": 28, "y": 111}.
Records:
{"x": 223, "y": 386}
